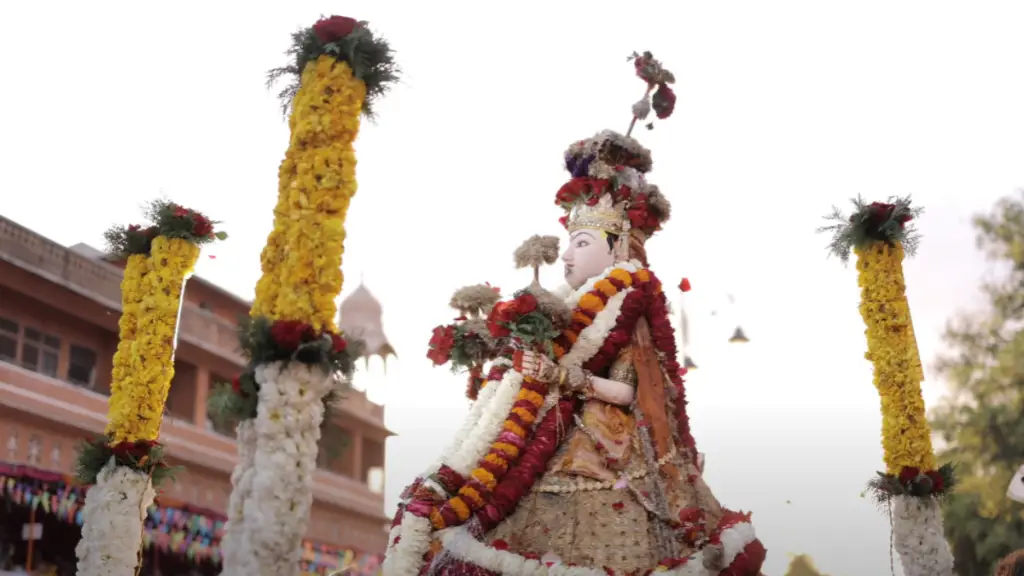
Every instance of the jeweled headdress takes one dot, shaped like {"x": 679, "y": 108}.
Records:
{"x": 608, "y": 190}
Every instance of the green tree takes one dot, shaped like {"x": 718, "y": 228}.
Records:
{"x": 981, "y": 422}
{"x": 802, "y": 565}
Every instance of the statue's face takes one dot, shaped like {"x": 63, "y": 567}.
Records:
{"x": 587, "y": 256}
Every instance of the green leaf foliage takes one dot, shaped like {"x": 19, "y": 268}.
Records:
{"x": 371, "y": 58}
{"x": 872, "y": 222}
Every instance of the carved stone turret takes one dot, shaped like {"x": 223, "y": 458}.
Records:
{"x": 361, "y": 316}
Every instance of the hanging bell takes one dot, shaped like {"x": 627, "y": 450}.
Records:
{"x": 738, "y": 336}
{"x": 688, "y": 363}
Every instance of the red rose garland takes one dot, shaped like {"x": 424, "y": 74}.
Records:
{"x": 530, "y": 466}
{"x": 663, "y": 337}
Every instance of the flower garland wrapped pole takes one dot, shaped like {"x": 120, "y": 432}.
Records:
{"x": 880, "y": 234}
{"x": 295, "y": 351}
{"x": 127, "y": 462}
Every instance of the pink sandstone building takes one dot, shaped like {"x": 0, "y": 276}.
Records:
{"x": 59, "y": 310}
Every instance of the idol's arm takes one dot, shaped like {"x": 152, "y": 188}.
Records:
{"x": 613, "y": 391}
{"x": 618, "y": 388}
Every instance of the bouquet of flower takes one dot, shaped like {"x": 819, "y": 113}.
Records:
{"x": 534, "y": 317}
{"x": 466, "y": 343}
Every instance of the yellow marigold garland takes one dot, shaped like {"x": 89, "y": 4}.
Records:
{"x": 319, "y": 169}
{"x": 136, "y": 410}
{"x": 879, "y": 235}
{"x": 906, "y": 436}
{"x": 135, "y": 271}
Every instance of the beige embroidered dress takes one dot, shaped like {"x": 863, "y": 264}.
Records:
{"x": 602, "y": 502}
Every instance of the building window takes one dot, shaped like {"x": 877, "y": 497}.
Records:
{"x": 8, "y": 340}
{"x": 40, "y": 352}
{"x": 82, "y": 366}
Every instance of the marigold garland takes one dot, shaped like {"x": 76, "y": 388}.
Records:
{"x": 135, "y": 271}
{"x": 136, "y": 410}
{"x": 880, "y": 235}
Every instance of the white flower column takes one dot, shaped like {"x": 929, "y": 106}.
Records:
{"x": 287, "y": 427}
{"x": 918, "y": 537}
{"x": 234, "y": 545}
{"x": 114, "y": 511}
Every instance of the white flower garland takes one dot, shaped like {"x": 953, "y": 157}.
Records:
{"x": 484, "y": 422}
{"x": 287, "y": 427}
{"x": 406, "y": 556}
{"x": 234, "y": 545}
{"x": 918, "y": 537}
{"x": 461, "y": 544}
{"x": 114, "y": 511}
{"x": 478, "y": 441}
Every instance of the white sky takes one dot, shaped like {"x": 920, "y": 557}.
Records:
{"x": 785, "y": 108}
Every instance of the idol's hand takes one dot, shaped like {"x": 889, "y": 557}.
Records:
{"x": 537, "y": 366}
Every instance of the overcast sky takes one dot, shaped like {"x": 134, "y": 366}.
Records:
{"x": 785, "y": 108}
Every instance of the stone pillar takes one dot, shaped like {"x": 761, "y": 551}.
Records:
{"x": 202, "y": 393}
{"x": 356, "y": 447}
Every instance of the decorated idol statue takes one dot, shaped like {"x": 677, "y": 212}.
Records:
{"x": 580, "y": 460}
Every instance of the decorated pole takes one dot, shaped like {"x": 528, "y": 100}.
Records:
{"x": 127, "y": 463}
{"x": 881, "y": 234}
{"x": 295, "y": 350}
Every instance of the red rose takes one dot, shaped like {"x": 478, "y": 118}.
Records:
{"x": 338, "y": 344}
{"x": 180, "y": 212}
{"x": 908, "y": 475}
{"x": 236, "y": 385}
{"x": 938, "y": 484}
{"x": 334, "y": 28}
{"x": 441, "y": 343}
{"x": 121, "y": 449}
{"x": 684, "y": 285}
{"x": 152, "y": 232}
{"x": 502, "y": 313}
{"x": 564, "y": 221}
{"x": 526, "y": 303}
{"x": 134, "y": 228}
{"x": 290, "y": 334}
{"x": 201, "y": 226}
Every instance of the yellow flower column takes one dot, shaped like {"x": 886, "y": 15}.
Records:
{"x": 880, "y": 234}
{"x": 136, "y": 411}
{"x": 320, "y": 169}
{"x": 892, "y": 349}
{"x": 338, "y": 69}
{"x": 135, "y": 271}
{"x": 127, "y": 462}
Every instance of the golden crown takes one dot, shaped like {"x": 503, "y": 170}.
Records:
{"x": 606, "y": 216}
